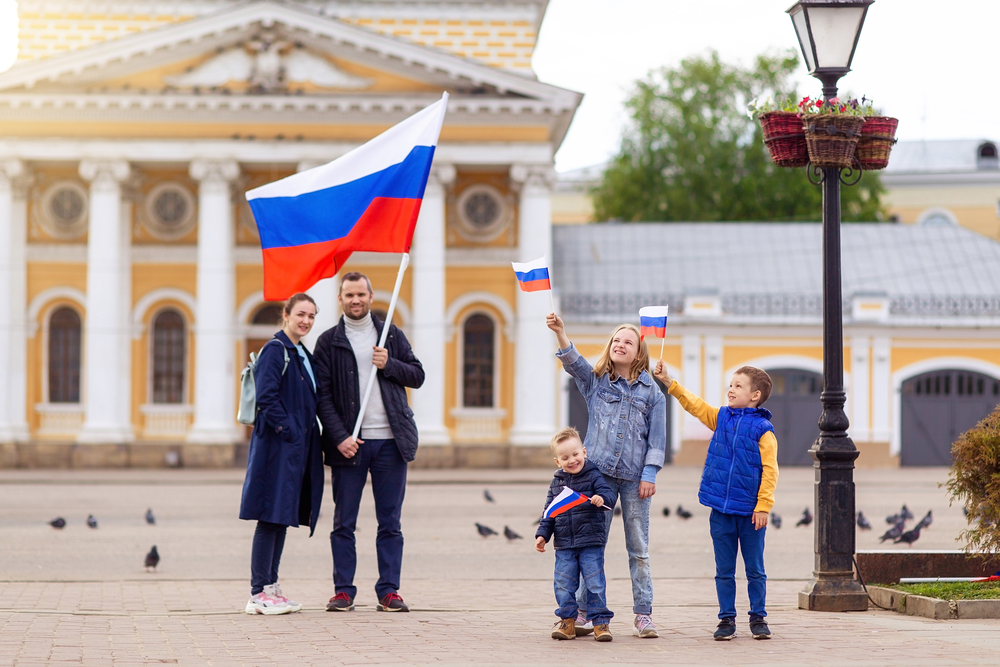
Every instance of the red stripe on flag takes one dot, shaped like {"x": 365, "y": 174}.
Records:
{"x": 386, "y": 226}
{"x": 658, "y": 332}
{"x": 535, "y": 285}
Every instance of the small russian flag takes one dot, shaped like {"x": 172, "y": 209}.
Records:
{"x": 653, "y": 321}
{"x": 564, "y": 502}
{"x": 533, "y": 276}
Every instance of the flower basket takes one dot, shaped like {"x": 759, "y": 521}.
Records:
{"x": 877, "y": 139}
{"x": 785, "y": 138}
{"x": 832, "y": 138}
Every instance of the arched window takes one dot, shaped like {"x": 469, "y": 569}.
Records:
{"x": 987, "y": 157}
{"x": 478, "y": 335}
{"x": 64, "y": 356}
{"x": 269, "y": 314}
{"x": 168, "y": 357}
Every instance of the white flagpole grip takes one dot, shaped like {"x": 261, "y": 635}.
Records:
{"x": 663, "y": 341}
{"x": 372, "y": 379}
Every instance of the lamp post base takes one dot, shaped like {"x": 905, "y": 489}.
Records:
{"x": 837, "y": 594}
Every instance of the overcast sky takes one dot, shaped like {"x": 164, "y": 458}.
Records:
{"x": 932, "y": 64}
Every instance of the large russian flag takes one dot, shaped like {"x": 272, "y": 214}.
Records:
{"x": 653, "y": 321}
{"x": 368, "y": 199}
{"x": 533, "y": 276}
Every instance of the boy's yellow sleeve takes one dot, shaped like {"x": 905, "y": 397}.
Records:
{"x": 769, "y": 477}
{"x": 694, "y": 405}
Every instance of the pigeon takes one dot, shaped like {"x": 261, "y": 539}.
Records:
{"x": 58, "y": 522}
{"x": 893, "y": 532}
{"x": 538, "y": 520}
{"x": 152, "y": 559}
{"x": 909, "y": 536}
{"x": 488, "y": 496}
{"x": 775, "y": 520}
{"x": 666, "y": 511}
{"x": 618, "y": 510}
{"x": 683, "y": 513}
{"x": 893, "y": 519}
{"x": 863, "y": 523}
{"x": 926, "y": 521}
{"x": 906, "y": 513}
{"x": 510, "y": 534}
{"x": 150, "y": 519}
{"x": 805, "y": 519}
{"x": 91, "y": 521}
{"x": 485, "y": 531}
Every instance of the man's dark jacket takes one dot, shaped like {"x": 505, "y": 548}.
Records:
{"x": 585, "y": 525}
{"x": 339, "y": 391}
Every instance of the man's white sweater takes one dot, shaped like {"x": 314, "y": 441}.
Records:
{"x": 363, "y": 338}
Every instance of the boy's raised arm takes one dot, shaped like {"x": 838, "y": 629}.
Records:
{"x": 769, "y": 476}
{"x": 694, "y": 405}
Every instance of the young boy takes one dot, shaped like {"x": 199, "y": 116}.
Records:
{"x": 738, "y": 482}
{"x": 580, "y": 537}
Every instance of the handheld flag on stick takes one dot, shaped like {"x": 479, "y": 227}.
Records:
{"x": 533, "y": 276}
{"x": 653, "y": 322}
{"x": 368, "y": 199}
{"x": 564, "y": 502}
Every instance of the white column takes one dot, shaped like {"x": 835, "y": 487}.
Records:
{"x": 105, "y": 328}
{"x": 17, "y": 369}
{"x": 9, "y": 170}
{"x": 535, "y": 368}
{"x": 882, "y": 391}
{"x": 324, "y": 293}
{"x": 691, "y": 379}
{"x": 428, "y": 328}
{"x": 715, "y": 385}
{"x": 859, "y": 395}
{"x": 215, "y": 375}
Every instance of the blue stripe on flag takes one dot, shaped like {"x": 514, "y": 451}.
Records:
{"x": 534, "y": 274}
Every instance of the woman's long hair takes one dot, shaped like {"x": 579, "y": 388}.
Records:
{"x": 605, "y": 366}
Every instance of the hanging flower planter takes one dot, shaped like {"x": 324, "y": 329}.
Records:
{"x": 832, "y": 139}
{"x": 878, "y": 136}
{"x": 785, "y": 138}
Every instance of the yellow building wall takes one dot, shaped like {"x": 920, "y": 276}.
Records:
{"x": 142, "y": 370}
{"x": 901, "y": 357}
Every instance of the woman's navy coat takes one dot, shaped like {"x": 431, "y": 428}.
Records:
{"x": 284, "y": 482}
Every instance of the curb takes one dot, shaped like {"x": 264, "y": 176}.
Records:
{"x": 920, "y": 605}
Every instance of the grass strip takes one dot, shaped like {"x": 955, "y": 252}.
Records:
{"x": 957, "y": 590}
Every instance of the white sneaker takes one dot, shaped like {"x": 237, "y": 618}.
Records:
{"x": 644, "y": 627}
{"x": 278, "y": 595}
{"x": 265, "y": 603}
{"x": 583, "y": 626}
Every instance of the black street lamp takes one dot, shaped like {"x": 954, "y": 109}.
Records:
{"x": 828, "y": 33}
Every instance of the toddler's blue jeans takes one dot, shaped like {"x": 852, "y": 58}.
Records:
{"x": 587, "y": 562}
{"x": 729, "y": 532}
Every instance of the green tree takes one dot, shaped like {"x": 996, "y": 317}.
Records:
{"x": 690, "y": 151}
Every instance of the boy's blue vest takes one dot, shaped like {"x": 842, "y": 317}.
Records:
{"x": 731, "y": 479}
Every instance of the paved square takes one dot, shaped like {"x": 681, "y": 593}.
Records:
{"x": 81, "y": 596}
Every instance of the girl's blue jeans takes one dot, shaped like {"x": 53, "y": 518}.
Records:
{"x": 572, "y": 565}
{"x": 635, "y": 516}
{"x": 730, "y": 531}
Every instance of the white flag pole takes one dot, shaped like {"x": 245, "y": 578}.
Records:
{"x": 372, "y": 379}
{"x": 663, "y": 341}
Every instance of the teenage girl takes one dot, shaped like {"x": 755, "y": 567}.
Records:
{"x": 626, "y": 438}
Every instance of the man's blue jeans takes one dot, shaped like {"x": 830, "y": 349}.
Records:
{"x": 730, "y": 531}
{"x": 388, "y": 470}
{"x": 635, "y": 515}
{"x": 571, "y": 565}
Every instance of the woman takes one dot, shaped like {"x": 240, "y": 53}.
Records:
{"x": 284, "y": 481}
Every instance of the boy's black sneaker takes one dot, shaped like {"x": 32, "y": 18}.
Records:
{"x": 726, "y": 630}
{"x": 759, "y": 629}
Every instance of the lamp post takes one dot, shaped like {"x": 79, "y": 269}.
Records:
{"x": 828, "y": 32}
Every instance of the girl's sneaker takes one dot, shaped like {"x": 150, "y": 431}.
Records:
{"x": 278, "y": 595}
{"x": 644, "y": 627}
{"x": 266, "y": 603}
{"x": 583, "y": 626}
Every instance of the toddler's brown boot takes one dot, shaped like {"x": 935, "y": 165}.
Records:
{"x": 565, "y": 629}
{"x": 602, "y": 633}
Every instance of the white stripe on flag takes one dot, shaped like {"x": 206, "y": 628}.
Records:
{"x": 539, "y": 263}
{"x": 653, "y": 311}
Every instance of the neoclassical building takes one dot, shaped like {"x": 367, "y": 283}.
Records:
{"x": 130, "y": 267}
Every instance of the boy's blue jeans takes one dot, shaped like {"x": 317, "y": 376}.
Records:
{"x": 571, "y": 565}
{"x": 635, "y": 517}
{"x": 730, "y": 531}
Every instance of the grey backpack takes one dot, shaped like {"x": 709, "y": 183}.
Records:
{"x": 247, "y": 413}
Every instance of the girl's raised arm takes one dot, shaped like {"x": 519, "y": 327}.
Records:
{"x": 555, "y": 323}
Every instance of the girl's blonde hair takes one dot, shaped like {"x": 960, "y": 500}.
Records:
{"x": 605, "y": 366}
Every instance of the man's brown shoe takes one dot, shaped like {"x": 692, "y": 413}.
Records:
{"x": 565, "y": 629}
{"x": 602, "y": 633}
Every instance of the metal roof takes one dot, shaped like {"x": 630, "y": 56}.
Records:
{"x": 946, "y": 155}
{"x": 772, "y": 270}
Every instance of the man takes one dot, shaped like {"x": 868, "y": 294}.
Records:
{"x": 387, "y": 442}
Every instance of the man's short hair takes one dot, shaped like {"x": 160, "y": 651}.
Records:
{"x": 759, "y": 381}
{"x": 352, "y": 276}
{"x": 564, "y": 435}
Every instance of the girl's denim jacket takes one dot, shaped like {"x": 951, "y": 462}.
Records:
{"x": 627, "y": 428}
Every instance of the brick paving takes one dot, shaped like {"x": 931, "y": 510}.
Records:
{"x": 81, "y": 596}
